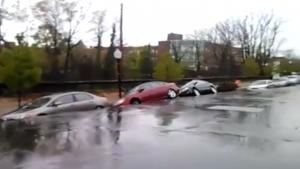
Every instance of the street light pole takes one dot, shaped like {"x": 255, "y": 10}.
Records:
{"x": 119, "y": 77}
{"x": 118, "y": 57}
{"x": 121, "y": 28}
{"x": 121, "y": 51}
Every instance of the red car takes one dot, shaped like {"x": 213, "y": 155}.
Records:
{"x": 149, "y": 91}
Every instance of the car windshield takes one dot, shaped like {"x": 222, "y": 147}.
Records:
{"x": 36, "y": 103}
{"x": 260, "y": 82}
{"x": 147, "y": 85}
{"x": 194, "y": 82}
{"x": 134, "y": 90}
{"x": 279, "y": 80}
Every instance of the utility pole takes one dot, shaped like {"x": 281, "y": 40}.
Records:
{"x": 119, "y": 61}
{"x": 121, "y": 29}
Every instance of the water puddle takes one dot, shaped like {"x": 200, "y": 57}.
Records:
{"x": 236, "y": 108}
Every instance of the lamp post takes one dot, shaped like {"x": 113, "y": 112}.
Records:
{"x": 118, "y": 57}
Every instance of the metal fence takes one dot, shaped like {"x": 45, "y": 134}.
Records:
{"x": 54, "y": 86}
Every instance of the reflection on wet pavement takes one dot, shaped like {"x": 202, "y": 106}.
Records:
{"x": 181, "y": 133}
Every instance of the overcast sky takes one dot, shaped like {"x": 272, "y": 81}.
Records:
{"x": 148, "y": 21}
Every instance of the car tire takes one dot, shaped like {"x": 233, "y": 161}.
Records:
{"x": 135, "y": 101}
{"x": 196, "y": 92}
{"x": 171, "y": 94}
{"x": 214, "y": 90}
{"x": 99, "y": 107}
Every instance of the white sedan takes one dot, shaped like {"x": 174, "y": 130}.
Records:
{"x": 293, "y": 79}
{"x": 259, "y": 84}
{"x": 280, "y": 82}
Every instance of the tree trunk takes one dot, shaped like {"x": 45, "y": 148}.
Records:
{"x": 19, "y": 95}
{"x": 98, "y": 65}
{"x": 55, "y": 53}
{"x": 68, "y": 55}
{"x": 198, "y": 55}
{"x": 261, "y": 70}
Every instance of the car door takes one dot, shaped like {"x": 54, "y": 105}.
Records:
{"x": 159, "y": 90}
{"x": 262, "y": 84}
{"x": 267, "y": 83}
{"x": 203, "y": 88}
{"x": 84, "y": 102}
{"x": 65, "y": 103}
{"x": 147, "y": 93}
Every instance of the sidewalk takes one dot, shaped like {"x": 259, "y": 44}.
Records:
{"x": 7, "y": 104}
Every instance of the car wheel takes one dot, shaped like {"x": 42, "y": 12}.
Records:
{"x": 171, "y": 94}
{"x": 135, "y": 101}
{"x": 196, "y": 92}
{"x": 214, "y": 90}
{"x": 99, "y": 107}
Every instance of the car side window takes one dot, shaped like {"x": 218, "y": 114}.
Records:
{"x": 156, "y": 84}
{"x": 149, "y": 86}
{"x": 145, "y": 86}
{"x": 83, "y": 97}
{"x": 65, "y": 99}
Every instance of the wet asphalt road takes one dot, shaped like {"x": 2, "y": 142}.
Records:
{"x": 184, "y": 133}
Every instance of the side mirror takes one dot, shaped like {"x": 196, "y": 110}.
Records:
{"x": 141, "y": 90}
{"x": 57, "y": 103}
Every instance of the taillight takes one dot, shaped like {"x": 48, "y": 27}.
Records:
{"x": 172, "y": 84}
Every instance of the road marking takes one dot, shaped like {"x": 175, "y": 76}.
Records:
{"x": 236, "y": 108}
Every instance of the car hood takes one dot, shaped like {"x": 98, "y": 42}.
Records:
{"x": 20, "y": 114}
{"x": 257, "y": 86}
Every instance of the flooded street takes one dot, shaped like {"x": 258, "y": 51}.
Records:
{"x": 230, "y": 130}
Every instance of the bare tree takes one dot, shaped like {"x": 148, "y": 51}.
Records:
{"x": 225, "y": 33}
{"x": 10, "y": 12}
{"x": 177, "y": 50}
{"x": 210, "y": 37}
{"x": 3, "y": 16}
{"x": 50, "y": 13}
{"x": 258, "y": 37}
{"x": 98, "y": 29}
{"x": 75, "y": 13}
{"x": 198, "y": 43}
{"x": 109, "y": 62}
{"x": 220, "y": 42}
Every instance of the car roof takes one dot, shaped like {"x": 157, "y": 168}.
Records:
{"x": 293, "y": 76}
{"x": 154, "y": 82}
{"x": 200, "y": 81}
{"x": 56, "y": 95}
{"x": 260, "y": 80}
{"x": 151, "y": 82}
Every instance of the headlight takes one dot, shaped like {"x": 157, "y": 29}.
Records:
{"x": 20, "y": 116}
{"x": 121, "y": 101}
{"x": 184, "y": 89}
{"x": 4, "y": 118}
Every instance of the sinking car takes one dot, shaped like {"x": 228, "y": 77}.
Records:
{"x": 259, "y": 84}
{"x": 56, "y": 103}
{"x": 197, "y": 88}
{"x": 149, "y": 91}
{"x": 293, "y": 79}
{"x": 279, "y": 82}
